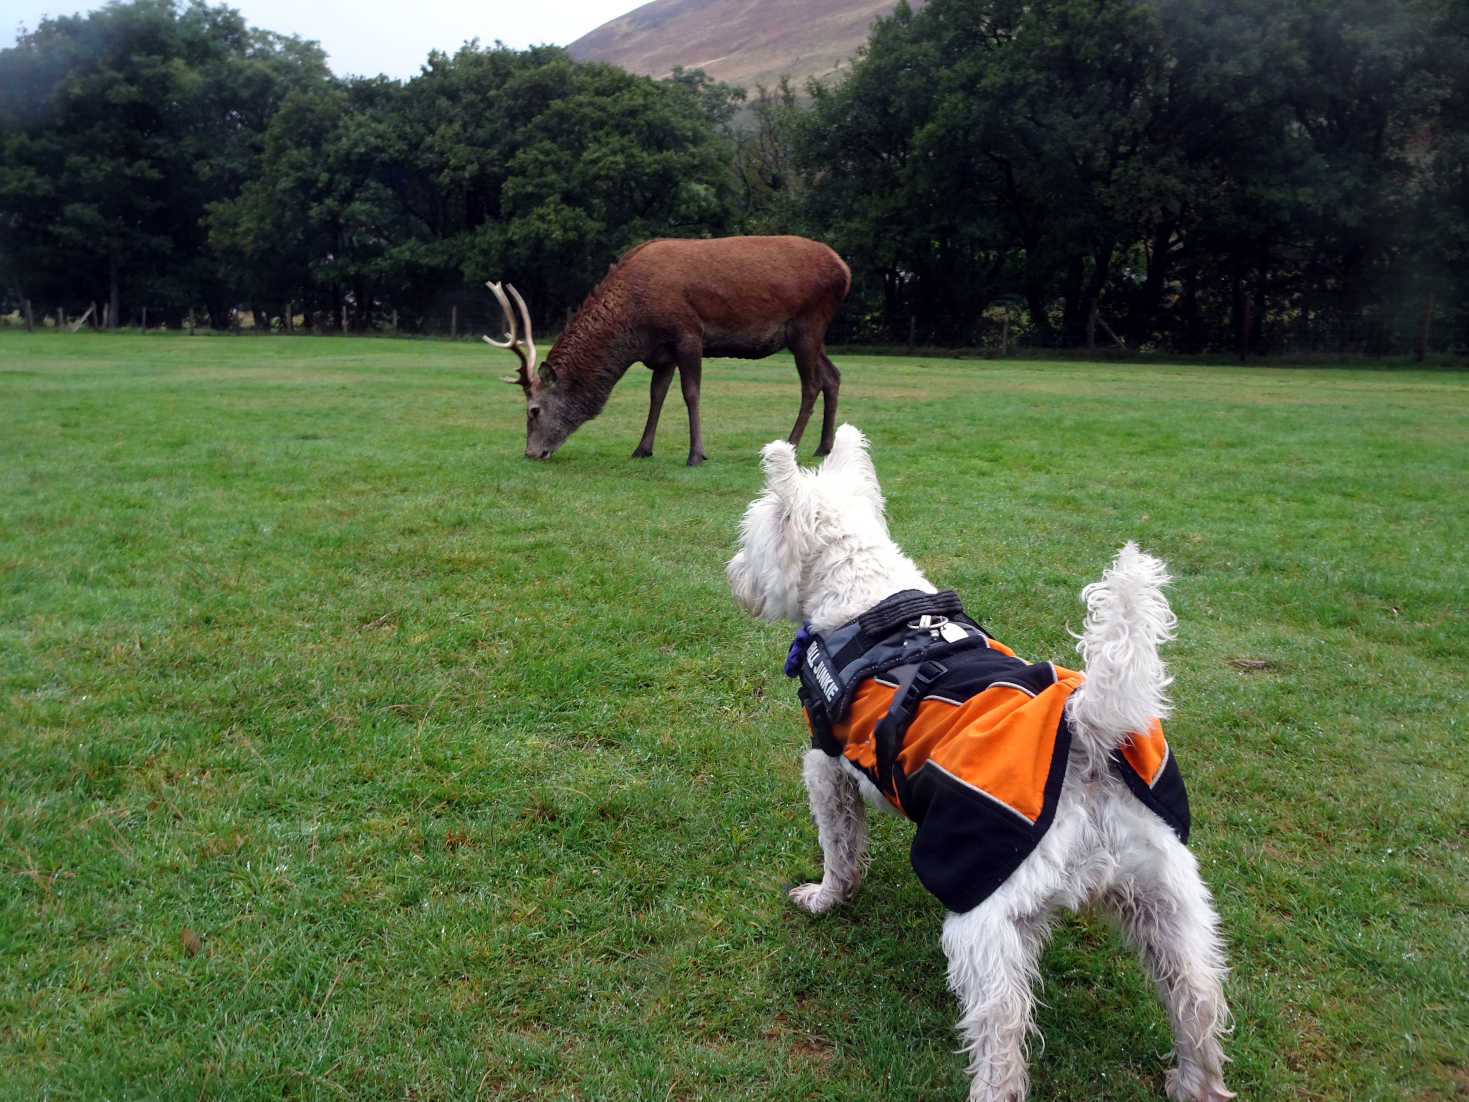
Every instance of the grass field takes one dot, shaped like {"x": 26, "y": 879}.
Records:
{"x": 344, "y": 753}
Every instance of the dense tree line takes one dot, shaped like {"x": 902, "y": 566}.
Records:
{"x": 1258, "y": 175}
{"x": 1189, "y": 173}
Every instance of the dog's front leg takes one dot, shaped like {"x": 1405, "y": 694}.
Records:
{"x": 841, "y": 827}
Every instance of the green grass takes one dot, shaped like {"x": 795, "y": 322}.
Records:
{"x": 344, "y": 753}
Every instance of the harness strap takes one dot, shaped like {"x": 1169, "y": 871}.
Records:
{"x": 891, "y": 614}
{"x": 913, "y": 682}
{"x": 823, "y": 737}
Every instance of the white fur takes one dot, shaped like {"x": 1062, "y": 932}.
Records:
{"x": 814, "y": 546}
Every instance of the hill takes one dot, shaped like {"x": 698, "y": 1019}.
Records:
{"x": 744, "y": 42}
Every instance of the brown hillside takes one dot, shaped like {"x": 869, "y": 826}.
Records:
{"x": 744, "y": 42}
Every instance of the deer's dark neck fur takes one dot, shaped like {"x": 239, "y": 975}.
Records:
{"x": 597, "y": 346}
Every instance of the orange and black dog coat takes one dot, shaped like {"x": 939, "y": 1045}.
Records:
{"x": 967, "y": 740}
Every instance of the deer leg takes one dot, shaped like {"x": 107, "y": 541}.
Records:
{"x": 657, "y": 391}
{"x": 690, "y": 373}
{"x": 831, "y": 381}
{"x": 808, "y": 366}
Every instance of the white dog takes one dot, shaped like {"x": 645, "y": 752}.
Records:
{"x": 1098, "y": 817}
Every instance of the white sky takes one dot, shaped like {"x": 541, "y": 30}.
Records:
{"x": 368, "y": 37}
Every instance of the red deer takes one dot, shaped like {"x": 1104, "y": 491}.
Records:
{"x": 669, "y": 303}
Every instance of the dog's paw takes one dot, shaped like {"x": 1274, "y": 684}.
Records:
{"x": 1195, "y": 1088}
{"x": 813, "y": 898}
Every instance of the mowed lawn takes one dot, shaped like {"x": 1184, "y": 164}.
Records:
{"x": 345, "y": 753}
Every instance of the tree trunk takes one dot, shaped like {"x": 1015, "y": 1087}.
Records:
{"x": 1240, "y": 311}
{"x": 1143, "y": 310}
{"x": 1424, "y": 335}
{"x": 1073, "y": 316}
{"x": 114, "y": 295}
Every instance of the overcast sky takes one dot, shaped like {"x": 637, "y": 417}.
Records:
{"x": 368, "y": 37}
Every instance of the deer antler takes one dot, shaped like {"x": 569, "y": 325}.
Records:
{"x": 518, "y": 334}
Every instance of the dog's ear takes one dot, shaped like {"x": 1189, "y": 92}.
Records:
{"x": 765, "y": 574}
{"x": 849, "y": 457}
{"x": 778, "y": 461}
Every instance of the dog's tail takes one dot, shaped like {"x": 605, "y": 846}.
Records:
{"x": 1126, "y": 686}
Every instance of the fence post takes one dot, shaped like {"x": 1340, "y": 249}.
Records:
{"x": 395, "y": 322}
{"x": 454, "y": 322}
{"x": 30, "y": 318}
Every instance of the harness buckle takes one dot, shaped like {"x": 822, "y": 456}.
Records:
{"x": 913, "y": 683}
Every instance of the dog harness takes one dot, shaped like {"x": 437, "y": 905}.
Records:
{"x": 960, "y": 735}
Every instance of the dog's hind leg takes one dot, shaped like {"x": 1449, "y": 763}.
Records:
{"x": 994, "y": 965}
{"x": 841, "y": 827}
{"x": 1166, "y": 913}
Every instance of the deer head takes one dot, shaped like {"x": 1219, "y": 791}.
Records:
{"x": 546, "y": 427}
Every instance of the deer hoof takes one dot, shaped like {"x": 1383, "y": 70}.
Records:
{"x": 641, "y": 452}
{"x": 695, "y": 458}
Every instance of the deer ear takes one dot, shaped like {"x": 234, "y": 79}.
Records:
{"x": 778, "y": 461}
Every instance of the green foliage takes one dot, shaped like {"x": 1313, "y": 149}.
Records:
{"x": 491, "y": 163}
{"x": 189, "y": 160}
{"x": 1206, "y": 174}
{"x": 117, "y": 130}
{"x": 346, "y": 753}
{"x": 1198, "y": 175}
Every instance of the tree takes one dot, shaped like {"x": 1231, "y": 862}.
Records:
{"x": 117, "y": 129}
{"x": 1203, "y": 173}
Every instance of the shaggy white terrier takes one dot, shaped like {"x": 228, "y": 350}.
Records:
{"x": 815, "y": 548}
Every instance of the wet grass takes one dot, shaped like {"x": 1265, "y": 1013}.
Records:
{"x": 345, "y": 753}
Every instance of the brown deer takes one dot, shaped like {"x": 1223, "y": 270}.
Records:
{"x": 669, "y": 303}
